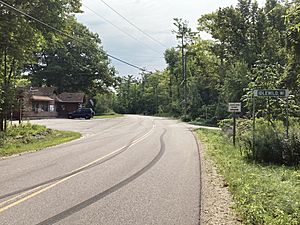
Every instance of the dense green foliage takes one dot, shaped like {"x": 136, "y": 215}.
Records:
{"x": 44, "y": 56}
{"x": 104, "y": 103}
{"x": 270, "y": 143}
{"x": 73, "y": 66}
{"x": 252, "y": 48}
{"x": 29, "y": 137}
{"x": 263, "y": 194}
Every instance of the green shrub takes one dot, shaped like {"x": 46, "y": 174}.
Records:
{"x": 204, "y": 122}
{"x": 24, "y": 133}
{"x": 104, "y": 103}
{"x": 270, "y": 142}
{"x": 264, "y": 194}
{"x": 28, "y": 137}
{"x": 227, "y": 126}
{"x": 186, "y": 118}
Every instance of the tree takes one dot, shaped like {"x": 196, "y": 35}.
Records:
{"x": 73, "y": 65}
{"x": 173, "y": 59}
{"x": 253, "y": 47}
{"x": 185, "y": 36}
{"x": 20, "y": 37}
{"x": 104, "y": 103}
{"x": 292, "y": 72}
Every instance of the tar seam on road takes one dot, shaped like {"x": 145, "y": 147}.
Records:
{"x": 200, "y": 172}
{"x": 109, "y": 191}
{"x": 122, "y": 149}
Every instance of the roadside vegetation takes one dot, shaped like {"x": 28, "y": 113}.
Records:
{"x": 35, "y": 55}
{"x": 252, "y": 47}
{"x": 264, "y": 193}
{"x": 270, "y": 144}
{"x": 107, "y": 116}
{"x": 27, "y": 137}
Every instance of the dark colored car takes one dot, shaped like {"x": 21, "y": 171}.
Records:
{"x": 86, "y": 113}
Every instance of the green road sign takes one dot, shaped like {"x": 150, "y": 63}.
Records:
{"x": 271, "y": 93}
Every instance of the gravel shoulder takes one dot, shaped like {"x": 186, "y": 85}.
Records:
{"x": 216, "y": 200}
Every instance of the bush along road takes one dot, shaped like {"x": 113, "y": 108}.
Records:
{"x": 27, "y": 137}
{"x": 264, "y": 193}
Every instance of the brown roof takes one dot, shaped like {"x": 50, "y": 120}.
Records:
{"x": 71, "y": 97}
{"x": 41, "y": 98}
{"x": 42, "y": 91}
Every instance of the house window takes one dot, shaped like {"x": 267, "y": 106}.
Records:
{"x": 40, "y": 106}
{"x": 51, "y": 108}
{"x": 44, "y": 106}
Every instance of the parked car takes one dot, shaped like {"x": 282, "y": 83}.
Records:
{"x": 86, "y": 113}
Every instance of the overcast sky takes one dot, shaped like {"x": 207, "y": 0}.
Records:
{"x": 154, "y": 17}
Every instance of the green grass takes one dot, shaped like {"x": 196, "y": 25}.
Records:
{"x": 264, "y": 194}
{"x": 108, "y": 116}
{"x": 29, "y": 137}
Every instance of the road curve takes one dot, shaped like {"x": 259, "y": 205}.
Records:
{"x": 128, "y": 170}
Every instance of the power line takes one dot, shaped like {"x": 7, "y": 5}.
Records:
{"x": 67, "y": 35}
{"x": 124, "y": 32}
{"x": 144, "y": 56}
{"x": 135, "y": 26}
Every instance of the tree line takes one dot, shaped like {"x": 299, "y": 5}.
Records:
{"x": 251, "y": 47}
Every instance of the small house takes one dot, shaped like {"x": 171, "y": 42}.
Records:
{"x": 68, "y": 102}
{"x": 46, "y": 102}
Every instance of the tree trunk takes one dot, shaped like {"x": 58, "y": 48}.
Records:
{"x": 5, "y": 122}
{"x": 170, "y": 89}
{"x": 1, "y": 123}
{"x": 2, "y": 94}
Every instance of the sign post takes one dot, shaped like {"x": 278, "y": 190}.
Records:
{"x": 287, "y": 117}
{"x": 277, "y": 93}
{"x": 234, "y": 107}
{"x": 253, "y": 124}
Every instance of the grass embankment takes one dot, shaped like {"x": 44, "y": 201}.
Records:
{"x": 264, "y": 194}
{"x": 28, "y": 137}
{"x": 108, "y": 116}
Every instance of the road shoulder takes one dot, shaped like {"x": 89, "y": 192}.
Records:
{"x": 216, "y": 200}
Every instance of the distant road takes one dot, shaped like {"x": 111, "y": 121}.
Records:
{"x": 129, "y": 170}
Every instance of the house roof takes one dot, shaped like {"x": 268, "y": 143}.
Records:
{"x": 41, "y": 98}
{"x": 71, "y": 97}
{"x": 42, "y": 91}
{"x": 50, "y": 94}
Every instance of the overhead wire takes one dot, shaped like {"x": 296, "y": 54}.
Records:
{"x": 124, "y": 32}
{"x": 135, "y": 26}
{"x": 67, "y": 35}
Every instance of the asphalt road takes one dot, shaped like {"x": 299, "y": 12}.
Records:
{"x": 128, "y": 170}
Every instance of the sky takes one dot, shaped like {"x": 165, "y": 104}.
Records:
{"x": 153, "y": 17}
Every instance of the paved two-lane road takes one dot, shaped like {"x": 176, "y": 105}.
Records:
{"x": 128, "y": 170}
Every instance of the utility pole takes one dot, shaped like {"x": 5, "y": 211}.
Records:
{"x": 183, "y": 70}
{"x": 183, "y": 35}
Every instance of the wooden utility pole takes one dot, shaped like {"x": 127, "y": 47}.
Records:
{"x": 183, "y": 59}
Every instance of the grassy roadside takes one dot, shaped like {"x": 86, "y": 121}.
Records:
{"x": 28, "y": 137}
{"x": 263, "y": 194}
{"x": 108, "y": 116}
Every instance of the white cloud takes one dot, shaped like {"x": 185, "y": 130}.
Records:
{"x": 155, "y": 17}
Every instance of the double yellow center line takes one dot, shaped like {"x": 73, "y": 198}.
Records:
{"x": 14, "y": 201}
